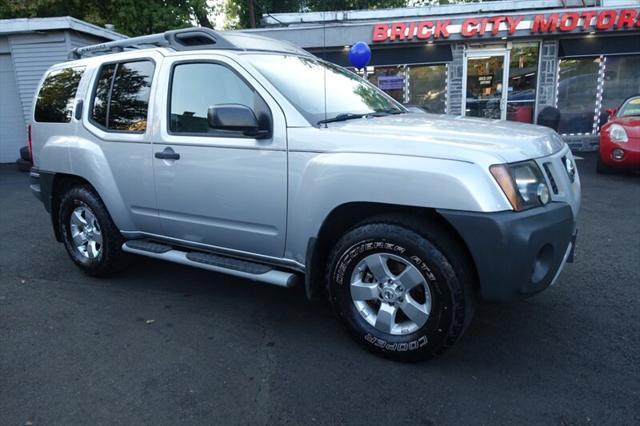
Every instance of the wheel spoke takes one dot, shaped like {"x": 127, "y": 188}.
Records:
{"x": 89, "y": 217}
{"x": 410, "y": 277}
{"x": 386, "y": 318}
{"x": 78, "y": 238}
{"x": 377, "y": 264}
{"x": 414, "y": 311}
{"x": 77, "y": 219}
{"x": 364, "y": 291}
{"x": 92, "y": 250}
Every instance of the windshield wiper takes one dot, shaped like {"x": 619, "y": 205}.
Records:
{"x": 389, "y": 111}
{"x": 341, "y": 117}
{"x": 350, "y": 116}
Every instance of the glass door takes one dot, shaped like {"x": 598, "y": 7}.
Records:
{"x": 485, "y": 82}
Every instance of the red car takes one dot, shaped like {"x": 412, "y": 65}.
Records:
{"x": 620, "y": 138}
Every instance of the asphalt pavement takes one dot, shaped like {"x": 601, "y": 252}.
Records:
{"x": 166, "y": 344}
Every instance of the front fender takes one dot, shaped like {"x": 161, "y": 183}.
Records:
{"x": 321, "y": 182}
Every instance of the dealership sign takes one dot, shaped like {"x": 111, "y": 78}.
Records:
{"x": 502, "y": 25}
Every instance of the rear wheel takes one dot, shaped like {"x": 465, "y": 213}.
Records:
{"x": 403, "y": 291}
{"x": 90, "y": 236}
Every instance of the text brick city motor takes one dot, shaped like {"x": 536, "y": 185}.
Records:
{"x": 586, "y": 21}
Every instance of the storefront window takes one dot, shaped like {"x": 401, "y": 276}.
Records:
{"x": 390, "y": 80}
{"x": 577, "y": 88}
{"x": 621, "y": 80}
{"x": 523, "y": 76}
{"x": 428, "y": 87}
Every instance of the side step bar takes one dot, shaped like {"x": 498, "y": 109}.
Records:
{"x": 212, "y": 262}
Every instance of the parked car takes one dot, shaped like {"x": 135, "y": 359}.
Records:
{"x": 620, "y": 138}
{"x": 218, "y": 151}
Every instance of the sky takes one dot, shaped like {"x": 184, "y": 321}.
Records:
{"x": 218, "y": 18}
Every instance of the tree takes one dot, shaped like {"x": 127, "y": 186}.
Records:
{"x": 131, "y": 17}
{"x": 238, "y": 12}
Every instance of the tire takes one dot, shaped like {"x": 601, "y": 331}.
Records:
{"x": 603, "y": 168}
{"x": 97, "y": 259}
{"x": 435, "y": 258}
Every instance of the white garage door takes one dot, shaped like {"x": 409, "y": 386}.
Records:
{"x": 13, "y": 134}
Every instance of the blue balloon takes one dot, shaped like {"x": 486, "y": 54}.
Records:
{"x": 360, "y": 55}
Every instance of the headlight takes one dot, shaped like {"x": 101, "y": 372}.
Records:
{"x": 522, "y": 183}
{"x": 618, "y": 134}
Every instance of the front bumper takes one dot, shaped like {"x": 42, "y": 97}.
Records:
{"x": 517, "y": 254}
{"x": 631, "y": 158}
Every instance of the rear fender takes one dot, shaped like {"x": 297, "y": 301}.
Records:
{"x": 90, "y": 163}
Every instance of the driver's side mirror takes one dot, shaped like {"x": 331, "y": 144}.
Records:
{"x": 612, "y": 112}
{"x": 236, "y": 117}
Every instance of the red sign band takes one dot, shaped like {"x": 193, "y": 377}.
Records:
{"x": 588, "y": 20}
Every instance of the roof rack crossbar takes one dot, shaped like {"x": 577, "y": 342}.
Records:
{"x": 184, "y": 39}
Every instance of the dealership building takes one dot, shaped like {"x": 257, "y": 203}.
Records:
{"x": 500, "y": 59}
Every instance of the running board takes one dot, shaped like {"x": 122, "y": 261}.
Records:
{"x": 212, "y": 262}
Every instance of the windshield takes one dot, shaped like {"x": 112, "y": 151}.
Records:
{"x": 302, "y": 81}
{"x": 630, "y": 108}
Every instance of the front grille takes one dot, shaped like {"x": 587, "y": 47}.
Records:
{"x": 552, "y": 181}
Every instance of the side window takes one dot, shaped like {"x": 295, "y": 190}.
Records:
{"x": 56, "y": 96}
{"x": 101, "y": 98}
{"x": 197, "y": 86}
{"x": 121, "y": 96}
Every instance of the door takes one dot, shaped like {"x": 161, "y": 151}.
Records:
{"x": 485, "y": 84}
{"x": 220, "y": 187}
{"x": 115, "y": 117}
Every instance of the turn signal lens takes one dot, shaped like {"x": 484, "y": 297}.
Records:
{"x": 502, "y": 175}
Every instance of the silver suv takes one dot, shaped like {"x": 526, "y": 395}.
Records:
{"x": 251, "y": 157}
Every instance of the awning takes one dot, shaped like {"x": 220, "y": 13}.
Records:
{"x": 418, "y": 54}
{"x": 595, "y": 46}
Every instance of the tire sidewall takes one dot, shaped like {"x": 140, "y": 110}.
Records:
{"x": 433, "y": 265}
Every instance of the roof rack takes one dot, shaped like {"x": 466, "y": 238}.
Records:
{"x": 184, "y": 39}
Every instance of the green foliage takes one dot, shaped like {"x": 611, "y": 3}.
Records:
{"x": 131, "y": 17}
{"x": 237, "y": 11}
{"x": 137, "y": 17}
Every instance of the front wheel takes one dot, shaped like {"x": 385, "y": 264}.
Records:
{"x": 403, "y": 291}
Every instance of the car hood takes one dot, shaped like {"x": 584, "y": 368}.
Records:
{"x": 452, "y": 137}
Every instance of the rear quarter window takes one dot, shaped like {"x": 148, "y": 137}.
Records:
{"x": 121, "y": 96}
{"x": 57, "y": 93}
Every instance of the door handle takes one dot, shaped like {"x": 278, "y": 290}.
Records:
{"x": 79, "y": 106}
{"x": 167, "y": 154}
